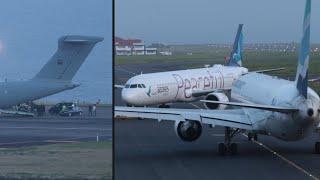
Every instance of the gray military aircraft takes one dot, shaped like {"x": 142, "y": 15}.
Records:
{"x": 284, "y": 109}
{"x": 54, "y": 77}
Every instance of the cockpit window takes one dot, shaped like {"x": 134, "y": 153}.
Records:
{"x": 127, "y": 86}
{"x": 133, "y": 86}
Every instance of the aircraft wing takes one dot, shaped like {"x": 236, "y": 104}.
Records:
{"x": 235, "y": 118}
{"x": 200, "y": 92}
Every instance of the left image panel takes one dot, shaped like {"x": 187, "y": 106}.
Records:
{"x": 56, "y": 89}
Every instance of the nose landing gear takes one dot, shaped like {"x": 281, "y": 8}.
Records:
{"x": 227, "y": 146}
{"x": 317, "y": 147}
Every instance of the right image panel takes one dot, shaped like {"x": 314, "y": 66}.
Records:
{"x": 216, "y": 89}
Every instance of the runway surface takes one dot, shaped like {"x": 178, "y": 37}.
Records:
{"x": 146, "y": 149}
{"x": 28, "y": 131}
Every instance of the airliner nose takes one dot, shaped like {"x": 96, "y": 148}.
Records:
{"x": 129, "y": 97}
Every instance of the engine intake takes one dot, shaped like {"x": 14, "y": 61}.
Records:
{"x": 216, "y": 97}
{"x": 188, "y": 130}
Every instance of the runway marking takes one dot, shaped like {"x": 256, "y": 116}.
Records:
{"x": 278, "y": 155}
{"x": 60, "y": 141}
{"x": 195, "y": 106}
{"x": 124, "y": 70}
{"x": 284, "y": 158}
{"x": 64, "y": 140}
{"x": 274, "y": 153}
{"x": 89, "y": 129}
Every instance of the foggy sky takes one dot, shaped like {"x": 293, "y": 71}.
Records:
{"x": 29, "y": 31}
{"x": 209, "y": 21}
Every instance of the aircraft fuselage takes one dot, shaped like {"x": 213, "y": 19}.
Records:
{"x": 263, "y": 89}
{"x": 177, "y": 86}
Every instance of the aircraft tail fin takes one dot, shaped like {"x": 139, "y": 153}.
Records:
{"x": 236, "y": 53}
{"x": 71, "y": 53}
{"x": 302, "y": 70}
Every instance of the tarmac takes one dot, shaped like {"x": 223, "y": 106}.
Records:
{"x": 147, "y": 149}
{"x": 16, "y": 131}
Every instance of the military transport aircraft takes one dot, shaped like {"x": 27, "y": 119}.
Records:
{"x": 288, "y": 110}
{"x": 211, "y": 83}
{"x": 54, "y": 77}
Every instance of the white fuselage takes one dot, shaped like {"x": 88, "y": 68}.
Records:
{"x": 263, "y": 89}
{"x": 178, "y": 86}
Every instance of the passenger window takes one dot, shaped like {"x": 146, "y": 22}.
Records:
{"x": 133, "y": 86}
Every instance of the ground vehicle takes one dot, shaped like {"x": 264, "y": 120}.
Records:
{"x": 71, "y": 111}
{"x": 56, "y": 109}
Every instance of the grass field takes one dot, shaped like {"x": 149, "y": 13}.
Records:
{"x": 83, "y": 160}
{"x": 252, "y": 60}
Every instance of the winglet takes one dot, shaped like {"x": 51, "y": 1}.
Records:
{"x": 302, "y": 71}
{"x": 236, "y": 53}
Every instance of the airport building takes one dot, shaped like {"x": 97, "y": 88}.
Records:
{"x": 128, "y": 47}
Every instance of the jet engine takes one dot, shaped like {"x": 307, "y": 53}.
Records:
{"x": 188, "y": 130}
{"x": 216, "y": 97}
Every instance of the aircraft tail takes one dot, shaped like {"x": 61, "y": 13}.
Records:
{"x": 236, "y": 53}
{"x": 71, "y": 53}
{"x": 302, "y": 70}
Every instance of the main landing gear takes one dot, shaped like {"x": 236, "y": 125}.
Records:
{"x": 164, "y": 106}
{"x": 227, "y": 146}
{"x": 253, "y": 136}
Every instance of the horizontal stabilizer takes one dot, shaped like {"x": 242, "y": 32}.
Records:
{"x": 269, "y": 70}
{"x": 119, "y": 86}
{"x": 21, "y": 113}
{"x": 314, "y": 80}
{"x": 256, "y": 106}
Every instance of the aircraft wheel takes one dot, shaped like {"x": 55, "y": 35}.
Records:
{"x": 233, "y": 148}
{"x": 317, "y": 147}
{"x": 164, "y": 106}
{"x": 255, "y": 136}
{"x": 222, "y": 149}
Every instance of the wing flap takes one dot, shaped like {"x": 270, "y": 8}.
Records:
{"x": 256, "y": 106}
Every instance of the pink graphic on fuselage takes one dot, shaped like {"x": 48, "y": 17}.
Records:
{"x": 202, "y": 82}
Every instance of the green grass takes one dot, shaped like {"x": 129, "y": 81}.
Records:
{"x": 85, "y": 160}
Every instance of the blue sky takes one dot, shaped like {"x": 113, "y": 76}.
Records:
{"x": 29, "y": 31}
{"x": 208, "y": 21}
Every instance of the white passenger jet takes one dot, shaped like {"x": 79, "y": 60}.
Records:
{"x": 287, "y": 110}
{"x": 212, "y": 83}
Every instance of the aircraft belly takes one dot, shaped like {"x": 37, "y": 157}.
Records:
{"x": 284, "y": 127}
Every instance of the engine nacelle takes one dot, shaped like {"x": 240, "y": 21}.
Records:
{"x": 216, "y": 97}
{"x": 188, "y": 130}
